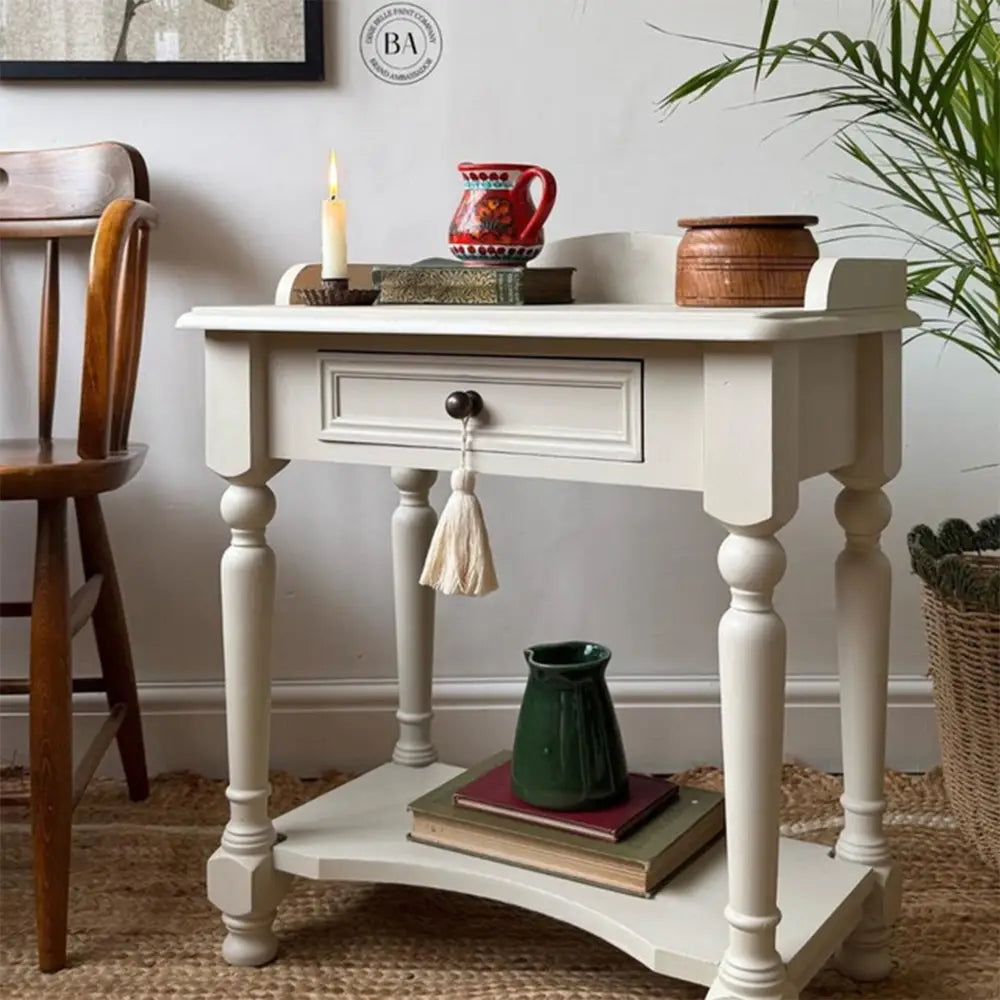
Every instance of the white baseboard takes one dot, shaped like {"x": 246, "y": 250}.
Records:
{"x": 349, "y": 724}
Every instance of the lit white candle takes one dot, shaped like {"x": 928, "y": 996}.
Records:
{"x": 334, "y": 230}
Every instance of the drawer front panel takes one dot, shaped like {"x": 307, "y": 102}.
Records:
{"x": 569, "y": 408}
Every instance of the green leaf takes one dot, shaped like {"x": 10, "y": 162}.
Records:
{"x": 896, "y": 44}
{"x": 919, "y": 53}
{"x": 765, "y": 36}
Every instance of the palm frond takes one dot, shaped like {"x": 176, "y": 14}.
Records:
{"x": 922, "y": 109}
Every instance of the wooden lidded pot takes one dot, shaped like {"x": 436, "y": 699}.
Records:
{"x": 745, "y": 260}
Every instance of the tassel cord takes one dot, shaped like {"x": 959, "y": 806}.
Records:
{"x": 466, "y": 442}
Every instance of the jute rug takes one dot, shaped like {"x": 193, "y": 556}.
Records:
{"x": 141, "y": 928}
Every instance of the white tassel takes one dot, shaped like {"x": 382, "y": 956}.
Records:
{"x": 459, "y": 560}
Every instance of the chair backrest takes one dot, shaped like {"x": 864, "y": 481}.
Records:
{"x": 617, "y": 267}
{"x": 100, "y": 190}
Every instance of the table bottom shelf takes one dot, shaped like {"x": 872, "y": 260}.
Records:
{"x": 358, "y": 833}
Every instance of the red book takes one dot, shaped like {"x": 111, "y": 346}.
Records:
{"x": 491, "y": 792}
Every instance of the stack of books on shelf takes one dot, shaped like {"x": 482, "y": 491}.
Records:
{"x": 633, "y": 847}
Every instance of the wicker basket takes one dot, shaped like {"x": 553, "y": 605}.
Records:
{"x": 961, "y": 605}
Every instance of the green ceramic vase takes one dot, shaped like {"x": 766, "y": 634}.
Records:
{"x": 568, "y": 751}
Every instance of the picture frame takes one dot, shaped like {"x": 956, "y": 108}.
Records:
{"x": 310, "y": 67}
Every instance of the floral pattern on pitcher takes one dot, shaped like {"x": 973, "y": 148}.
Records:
{"x": 496, "y": 221}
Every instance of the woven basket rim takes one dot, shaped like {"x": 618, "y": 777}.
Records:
{"x": 958, "y": 562}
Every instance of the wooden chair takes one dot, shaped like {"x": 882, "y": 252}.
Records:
{"x": 100, "y": 190}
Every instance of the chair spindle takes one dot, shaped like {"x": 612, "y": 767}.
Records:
{"x": 48, "y": 341}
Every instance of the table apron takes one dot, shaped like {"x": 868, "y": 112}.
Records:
{"x": 285, "y": 380}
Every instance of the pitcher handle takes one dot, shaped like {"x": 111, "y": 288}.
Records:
{"x": 545, "y": 203}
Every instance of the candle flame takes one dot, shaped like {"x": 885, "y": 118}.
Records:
{"x": 333, "y": 174}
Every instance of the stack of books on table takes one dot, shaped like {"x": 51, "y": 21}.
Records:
{"x": 633, "y": 847}
{"x": 437, "y": 281}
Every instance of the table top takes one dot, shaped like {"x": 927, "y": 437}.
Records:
{"x": 587, "y": 322}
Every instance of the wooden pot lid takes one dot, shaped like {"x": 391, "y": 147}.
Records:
{"x": 736, "y": 221}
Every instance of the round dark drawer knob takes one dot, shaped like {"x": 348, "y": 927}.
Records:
{"x": 464, "y": 403}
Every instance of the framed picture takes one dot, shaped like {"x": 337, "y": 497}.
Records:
{"x": 161, "y": 39}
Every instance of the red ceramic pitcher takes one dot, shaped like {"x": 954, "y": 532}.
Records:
{"x": 496, "y": 221}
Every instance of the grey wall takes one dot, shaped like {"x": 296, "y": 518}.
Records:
{"x": 238, "y": 172}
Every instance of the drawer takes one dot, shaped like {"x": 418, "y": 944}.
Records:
{"x": 560, "y": 407}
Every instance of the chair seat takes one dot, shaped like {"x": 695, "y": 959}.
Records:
{"x": 31, "y": 470}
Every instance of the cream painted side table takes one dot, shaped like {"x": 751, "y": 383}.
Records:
{"x": 740, "y": 405}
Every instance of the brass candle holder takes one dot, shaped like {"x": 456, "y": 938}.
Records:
{"x": 335, "y": 292}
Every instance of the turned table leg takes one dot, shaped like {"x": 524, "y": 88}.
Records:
{"x": 752, "y": 688}
{"x": 863, "y": 584}
{"x": 242, "y": 881}
{"x": 413, "y": 524}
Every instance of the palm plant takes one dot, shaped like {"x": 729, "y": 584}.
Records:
{"x": 922, "y": 110}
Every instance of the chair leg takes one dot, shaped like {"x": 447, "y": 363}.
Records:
{"x": 113, "y": 647}
{"x": 50, "y": 707}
